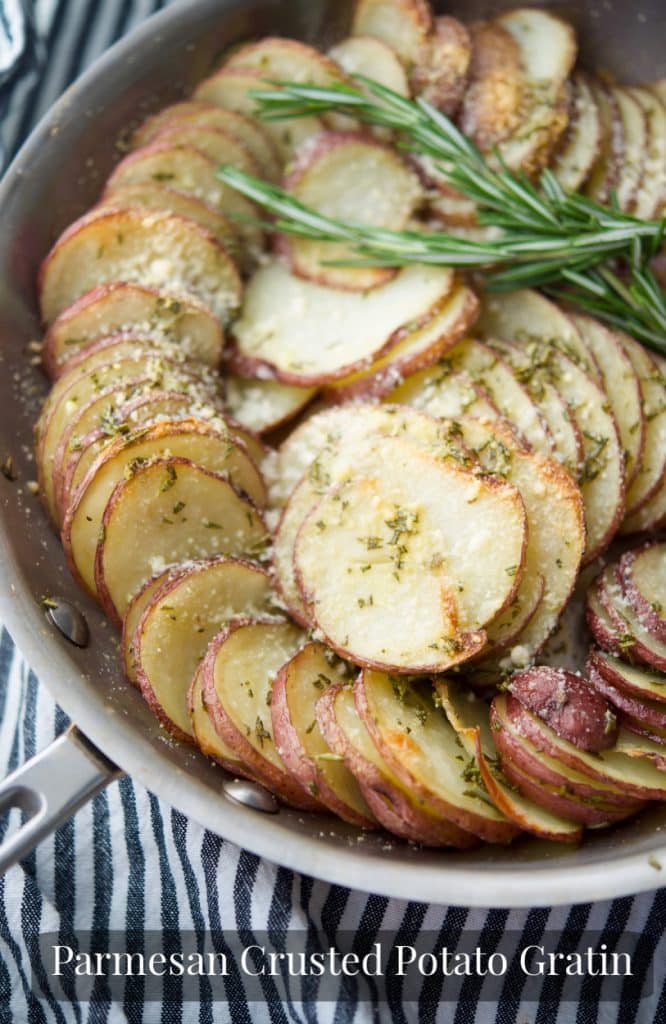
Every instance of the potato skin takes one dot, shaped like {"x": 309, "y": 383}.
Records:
{"x": 568, "y": 704}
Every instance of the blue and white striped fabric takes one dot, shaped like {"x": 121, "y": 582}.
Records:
{"x": 126, "y": 862}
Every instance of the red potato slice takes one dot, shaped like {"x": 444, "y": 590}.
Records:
{"x": 574, "y": 709}
{"x": 178, "y": 621}
{"x": 247, "y": 130}
{"x": 605, "y": 172}
{"x": 145, "y": 525}
{"x": 401, "y": 526}
{"x": 581, "y": 144}
{"x": 602, "y": 477}
{"x": 236, "y": 678}
{"x": 635, "y": 132}
{"x": 638, "y": 778}
{"x": 370, "y": 57}
{"x": 632, "y": 635}
{"x": 419, "y": 349}
{"x": 636, "y": 742}
{"x": 190, "y": 439}
{"x": 151, "y": 248}
{"x": 403, "y": 25}
{"x": 423, "y": 750}
{"x": 188, "y": 170}
{"x": 138, "y": 346}
{"x": 442, "y": 68}
{"x": 495, "y": 376}
{"x": 215, "y": 143}
{"x": 640, "y": 683}
{"x": 306, "y": 334}
{"x": 231, "y": 89}
{"x": 652, "y": 471}
{"x": 134, "y": 613}
{"x": 439, "y": 391}
{"x": 651, "y": 192}
{"x": 120, "y": 307}
{"x": 555, "y": 532}
{"x": 354, "y": 178}
{"x": 493, "y": 101}
{"x": 648, "y": 715}
{"x": 396, "y": 806}
{"x": 600, "y": 624}
{"x": 622, "y": 387}
{"x": 643, "y": 579}
{"x": 547, "y": 43}
{"x": 650, "y": 516}
{"x": 153, "y": 196}
{"x": 296, "y": 689}
{"x": 209, "y": 742}
{"x": 323, "y": 453}
{"x": 264, "y": 405}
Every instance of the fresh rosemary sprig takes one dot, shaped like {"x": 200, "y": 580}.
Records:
{"x": 593, "y": 256}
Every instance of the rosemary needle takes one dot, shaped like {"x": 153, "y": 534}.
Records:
{"x": 592, "y": 256}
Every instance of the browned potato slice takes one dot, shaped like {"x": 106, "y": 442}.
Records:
{"x": 651, "y": 475}
{"x": 492, "y": 104}
{"x": 401, "y": 24}
{"x": 442, "y": 67}
{"x": 605, "y": 172}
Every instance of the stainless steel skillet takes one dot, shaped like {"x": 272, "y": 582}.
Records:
{"x": 55, "y": 177}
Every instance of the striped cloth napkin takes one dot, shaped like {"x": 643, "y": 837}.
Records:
{"x": 126, "y": 863}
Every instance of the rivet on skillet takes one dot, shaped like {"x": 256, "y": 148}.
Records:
{"x": 69, "y": 621}
{"x": 249, "y": 794}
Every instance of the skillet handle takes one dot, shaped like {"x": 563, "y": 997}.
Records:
{"x": 49, "y": 788}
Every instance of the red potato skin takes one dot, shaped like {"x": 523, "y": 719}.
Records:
{"x": 373, "y": 277}
{"x": 384, "y": 380}
{"x": 512, "y": 749}
{"x": 302, "y": 767}
{"x": 568, "y": 704}
{"x": 598, "y": 663}
{"x": 648, "y": 733}
{"x": 644, "y": 610}
{"x": 524, "y": 723}
{"x": 125, "y": 640}
{"x": 636, "y": 650}
{"x": 490, "y": 831}
{"x": 643, "y": 711}
{"x": 599, "y": 623}
{"x": 574, "y": 810}
{"x": 233, "y": 767}
{"x": 285, "y": 788}
{"x": 503, "y": 804}
{"x": 391, "y": 808}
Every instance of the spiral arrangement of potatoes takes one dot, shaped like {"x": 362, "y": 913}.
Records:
{"x": 334, "y": 508}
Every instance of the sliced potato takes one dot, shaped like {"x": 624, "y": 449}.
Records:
{"x": 605, "y": 172}
{"x": 231, "y": 88}
{"x": 643, "y": 578}
{"x": 188, "y": 170}
{"x": 263, "y": 405}
{"x": 652, "y": 471}
{"x": 419, "y": 744}
{"x": 210, "y": 743}
{"x": 637, "y": 682}
{"x": 134, "y": 612}
{"x": 574, "y": 709}
{"x": 119, "y": 307}
{"x": 410, "y": 521}
{"x": 638, "y": 778}
{"x": 396, "y": 805}
{"x": 645, "y": 714}
{"x": 296, "y": 689}
{"x": 150, "y": 248}
{"x": 439, "y": 391}
{"x": 496, "y": 377}
{"x": 246, "y": 129}
{"x": 651, "y": 192}
{"x": 635, "y": 133}
{"x": 401, "y": 24}
{"x": 153, "y": 196}
{"x": 178, "y": 621}
{"x": 633, "y": 637}
{"x": 469, "y": 716}
{"x": 547, "y": 43}
{"x": 442, "y": 68}
{"x": 581, "y": 144}
{"x": 306, "y": 334}
{"x": 418, "y": 349}
{"x": 492, "y": 104}
{"x": 236, "y": 678}
{"x": 650, "y": 516}
{"x": 189, "y": 439}
{"x": 145, "y": 525}
{"x": 372, "y": 58}
{"x": 215, "y": 143}
{"x": 353, "y": 178}
{"x": 622, "y": 387}
{"x": 556, "y": 535}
